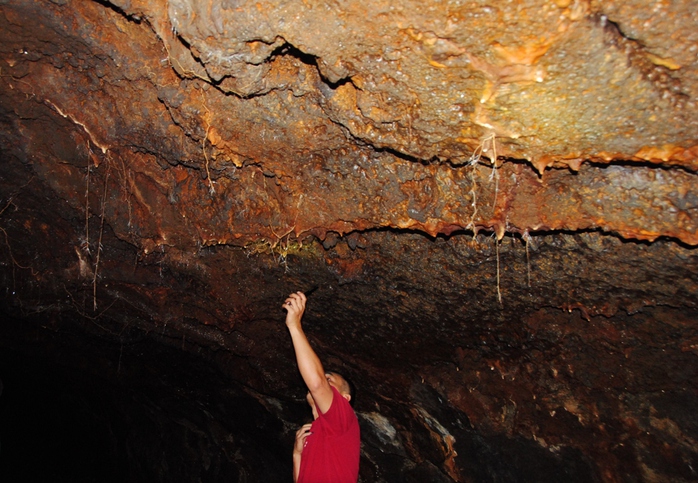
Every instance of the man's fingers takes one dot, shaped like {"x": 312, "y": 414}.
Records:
{"x": 304, "y": 431}
{"x": 295, "y": 300}
{"x": 301, "y": 435}
{"x": 305, "y": 428}
{"x": 297, "y": 297}
{"x": 289, "y": 302}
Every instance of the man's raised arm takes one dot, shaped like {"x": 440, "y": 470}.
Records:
{"x": 309, "y": 363}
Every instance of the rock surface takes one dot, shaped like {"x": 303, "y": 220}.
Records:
{"x": 497, "y": 201}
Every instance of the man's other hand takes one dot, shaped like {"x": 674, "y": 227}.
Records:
{"x": 301, "y": 435}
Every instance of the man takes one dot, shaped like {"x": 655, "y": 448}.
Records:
{"x": 326, "y": 450}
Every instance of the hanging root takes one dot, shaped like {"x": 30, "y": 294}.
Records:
{"x": 15, "y": 263}
{"x": 473, "y": 193}
{"x": 279, "y": 245}
{"x": 99, "y": 241}
{"x": 207, "y": 118}
{"x": 211, "y": 189}
{"x": 495, "y": 173}
{"x": 499, "y": 291}
{"x": 488, "y": 144}
{"x": 527, "y": 240}
{"x": 85, "y": 244}
{"x": 482, "y": 148}
{"x": 126, "y": 183}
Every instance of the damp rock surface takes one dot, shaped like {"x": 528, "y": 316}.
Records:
{"x": 496, "y": 201}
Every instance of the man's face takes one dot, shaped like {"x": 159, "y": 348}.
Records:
{"x": 337, "y": 382}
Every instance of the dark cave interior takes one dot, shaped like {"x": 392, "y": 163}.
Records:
{"x": 497, "y": 203}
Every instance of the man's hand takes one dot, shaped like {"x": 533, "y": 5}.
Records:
{"x": 295, "y": 306}
{"x": 301, "y": 435}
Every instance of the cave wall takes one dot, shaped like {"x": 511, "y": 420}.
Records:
{"x": 497, "y": 203}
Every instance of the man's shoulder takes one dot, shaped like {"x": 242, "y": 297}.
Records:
{"x": 340, "y": 411}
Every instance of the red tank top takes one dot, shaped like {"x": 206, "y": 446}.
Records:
{"x": 331, "y": 452}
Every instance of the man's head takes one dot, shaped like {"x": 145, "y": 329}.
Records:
{"x": 340, "y": 383}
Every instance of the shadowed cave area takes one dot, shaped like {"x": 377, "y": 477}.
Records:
{"x": 495, "y": 206}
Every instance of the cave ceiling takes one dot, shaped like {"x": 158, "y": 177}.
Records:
{"x": 496, "y": 201}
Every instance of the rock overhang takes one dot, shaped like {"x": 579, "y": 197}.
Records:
{"x": 449, "y": 175}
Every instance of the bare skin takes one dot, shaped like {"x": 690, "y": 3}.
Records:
{"x": 319, "y": 382}
{"x": 301, "y": 436}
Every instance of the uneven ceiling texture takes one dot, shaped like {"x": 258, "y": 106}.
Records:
{"x": 497, "y": 201}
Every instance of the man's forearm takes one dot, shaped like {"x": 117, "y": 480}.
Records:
{"x": 296, "y": 466}
{"x": 309, "y": 363}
